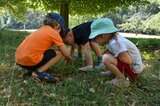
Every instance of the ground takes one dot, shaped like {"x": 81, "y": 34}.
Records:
{"x": 75, "y": 88}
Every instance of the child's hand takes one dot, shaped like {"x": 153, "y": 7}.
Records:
{"x": 69, "y": 60}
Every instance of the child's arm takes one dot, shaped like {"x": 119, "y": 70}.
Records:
{"x": 125, "y": 57}
{"x": 80, "y": 51}
{"x": 72, "y": 50}
{"x": 65, "y": 53}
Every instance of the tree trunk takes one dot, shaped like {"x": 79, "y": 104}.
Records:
{"x": 64, "y": 11}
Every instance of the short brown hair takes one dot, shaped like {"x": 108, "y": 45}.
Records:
{"x": 50, "y": 21}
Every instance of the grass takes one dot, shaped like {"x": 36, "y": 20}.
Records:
{"x": 76, "y": 88}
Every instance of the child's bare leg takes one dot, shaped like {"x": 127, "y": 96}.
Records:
{"x": 98, "y": 53}
{"x": 88, "y": 54}
{"x": 96, "y": 48}
{"x": 50, "y": 62}
{"x": 88, "y": 58}
{"x": 80, "y": 48}
{"x": 111, "y": 63}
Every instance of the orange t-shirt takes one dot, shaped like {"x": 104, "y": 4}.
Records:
{"x": 30, "y": 51}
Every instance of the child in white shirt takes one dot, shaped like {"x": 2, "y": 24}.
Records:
{"x": 122, "y": 58}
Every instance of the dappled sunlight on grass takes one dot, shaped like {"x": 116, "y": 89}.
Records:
{"x": 147, "y": 55}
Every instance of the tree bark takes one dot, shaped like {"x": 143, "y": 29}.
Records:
{"x": 64, "y": 11}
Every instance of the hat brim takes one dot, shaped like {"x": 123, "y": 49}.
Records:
{"x": 102, "y": 31}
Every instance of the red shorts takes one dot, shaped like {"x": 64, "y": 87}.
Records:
{"x": 126, "y": 69}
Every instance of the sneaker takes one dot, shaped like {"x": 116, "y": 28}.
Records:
{"x": 119, "y": 82}
{"x": 99, "y": 66}
{"x": 86, "y": 68}
{"x": 106, "y": 73}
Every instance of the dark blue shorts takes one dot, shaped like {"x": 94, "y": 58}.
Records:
{"x": 49, "y": 54}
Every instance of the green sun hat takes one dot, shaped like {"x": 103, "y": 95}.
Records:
{"x": 102, "y": 26}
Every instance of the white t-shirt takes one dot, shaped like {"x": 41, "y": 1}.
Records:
{"x": 120, "y": 44}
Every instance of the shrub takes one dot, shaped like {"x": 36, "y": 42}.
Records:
{"x": 152, "y": 24}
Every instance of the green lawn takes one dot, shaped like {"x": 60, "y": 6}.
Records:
{"x": 76, "y": 88}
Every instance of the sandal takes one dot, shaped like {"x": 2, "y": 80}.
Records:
{"x": 44, "y": 76}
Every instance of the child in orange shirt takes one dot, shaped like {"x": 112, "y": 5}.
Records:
{"x": 35, "y": 53}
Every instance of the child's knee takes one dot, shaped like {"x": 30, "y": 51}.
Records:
{"x": 106, "y": 58}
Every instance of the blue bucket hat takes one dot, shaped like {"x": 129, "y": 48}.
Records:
{"x": 102, "y": 26}
{"x": 58, "y": 18}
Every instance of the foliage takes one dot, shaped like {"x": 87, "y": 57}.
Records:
{"x": 129, "y": 19}
{"x": 76, "y": 88}
{"x": 34, "y": 20}
{"x": 82, "y": 7}
{"x": 152, "y": 24}
{"x": 77, "y": 19}
{"x": 66, "y": 7}
{"x": 133, "y": 24}
{"x": 147, "y": 26}
{"x": 16, "y": 8}
{"x": 140, "y": 19}
{"x": 145, "y": 43}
